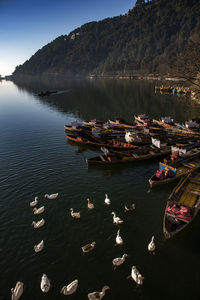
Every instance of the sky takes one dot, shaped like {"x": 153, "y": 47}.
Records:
{"x": 28, "y": 25}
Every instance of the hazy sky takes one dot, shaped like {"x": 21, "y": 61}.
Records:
{"x": 28, "y": 25}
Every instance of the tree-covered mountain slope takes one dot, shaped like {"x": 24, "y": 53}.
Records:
{"x": 142, "y": 41}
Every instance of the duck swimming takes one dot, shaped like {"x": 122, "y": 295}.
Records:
{"x": 107, "y": 200}
{"x": 38, "y": 224}
{"x": 45, "y": 283}
{"x": 35, "y": 202}
{"x": 152, "y": 246}
{"x": 75, "y": 215}
{"x": 132, "y": 207}
{"x": 118, "y": 239}
{"x": 70, "y": 288}
{"x": 88, "y": 247}
{"x": 116, "y": 220}
{"x": 17, "y": 291}
{"x": 38, "y": 211}
{"x": 98, "y": 295}
{"x": 136, "y": 276}
{"x": 119, "y": 260}
{"x": 90, "y": 205}
{"x": 39, "y": 247}
{"x": 52, "y": 196}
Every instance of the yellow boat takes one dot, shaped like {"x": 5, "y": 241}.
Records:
{"x": 183, "y": 204}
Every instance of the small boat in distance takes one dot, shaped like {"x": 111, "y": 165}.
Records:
{"x": 183, "y": 204}
{"x": 47, "y": 93}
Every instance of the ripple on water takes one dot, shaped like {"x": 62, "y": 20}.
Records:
{"x": 36, "y": 159}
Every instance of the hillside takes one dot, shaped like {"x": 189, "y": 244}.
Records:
{"x": 142, "y": 41}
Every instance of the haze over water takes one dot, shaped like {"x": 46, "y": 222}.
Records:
{"x": 35, "y": 159}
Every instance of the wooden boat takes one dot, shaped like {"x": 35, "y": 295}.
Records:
{"x": 47, "y": 93}
{"x": 75, "y": 127}
{"x": 93, "y": 122}
{"x": 172, "y": 90}
{"x": 112, "y": 128}
{"x": 174, "y": 170}
{"x": 121, "y": 123}
{"x": 142, "y": 119}
{"x": 183, "y": 205}
{"x": 177, "y": 129}
{"x": 118, "y": 158}
{"x": 166, "y": 89}
{"x": 115, "y": 144}
{"x": 137, "y": 138}
{"x": 192, "y": 127}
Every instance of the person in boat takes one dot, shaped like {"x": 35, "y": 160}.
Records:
{"x": 166, "y": 172}
{"x": 163, "y": 174}
{"x": 174, "y": 155}
{"x": 160, "y": 174}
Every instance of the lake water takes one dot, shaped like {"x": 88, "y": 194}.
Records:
{"x": 35, "y": 159}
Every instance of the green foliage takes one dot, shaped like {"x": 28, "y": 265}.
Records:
{"x": 143, "y": 40}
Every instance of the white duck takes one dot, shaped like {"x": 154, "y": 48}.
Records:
{"x": 38, "y": 211}
{"x": 70, "y": 288}
{"x": 38, "y": 224}
{"x": 39, "y": 247}
{"x": 75, "y": 215}
{"x": 98, "y": 295}
{"x": 45, "y": 283}
{"x": 107, "y": 200}
{"x": 132, "y": 207}
{"x": 52, "y": 196}
{"x": 119, "y": 260}
{"x": 88, "y": 247}
{"x": 17, "y": 291}
{"x": 116, "y": 220}
{"x": 90, "y": 205}
{"x": 35, "y": 202}
{"x": 118, "y": 239}
{"x": 152, "y": 246}
{"x": 136, "y": 276}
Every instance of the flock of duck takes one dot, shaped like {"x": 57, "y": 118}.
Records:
{"x": 116, "y": 262}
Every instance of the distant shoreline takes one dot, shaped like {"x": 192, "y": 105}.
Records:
{"x": 139, "y": 77}
{"x": 167, "y": 78}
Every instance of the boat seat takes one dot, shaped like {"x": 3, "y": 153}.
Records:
{"x": 194, "y": 180}
{"x": 181, "y": 170}
{"x": 194, "y": 186}
{"x": 188, "y": 199}
{"x": 188, "y": 165}
{"x": 177, "y": 218}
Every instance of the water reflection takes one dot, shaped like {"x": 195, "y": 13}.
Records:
{"x": 105, "y": 99}
{"x": 35, "y": 159}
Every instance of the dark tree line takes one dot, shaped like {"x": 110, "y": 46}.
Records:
{"x": 145, "y": 40}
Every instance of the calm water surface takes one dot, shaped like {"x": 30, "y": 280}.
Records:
{"x": 36, "y": 159}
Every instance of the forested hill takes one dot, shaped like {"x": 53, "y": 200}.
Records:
{"x": 141, "y": 41}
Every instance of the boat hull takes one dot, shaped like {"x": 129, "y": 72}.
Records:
{"x": 117, "y": 159}
{"x": 183, "y": 205}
